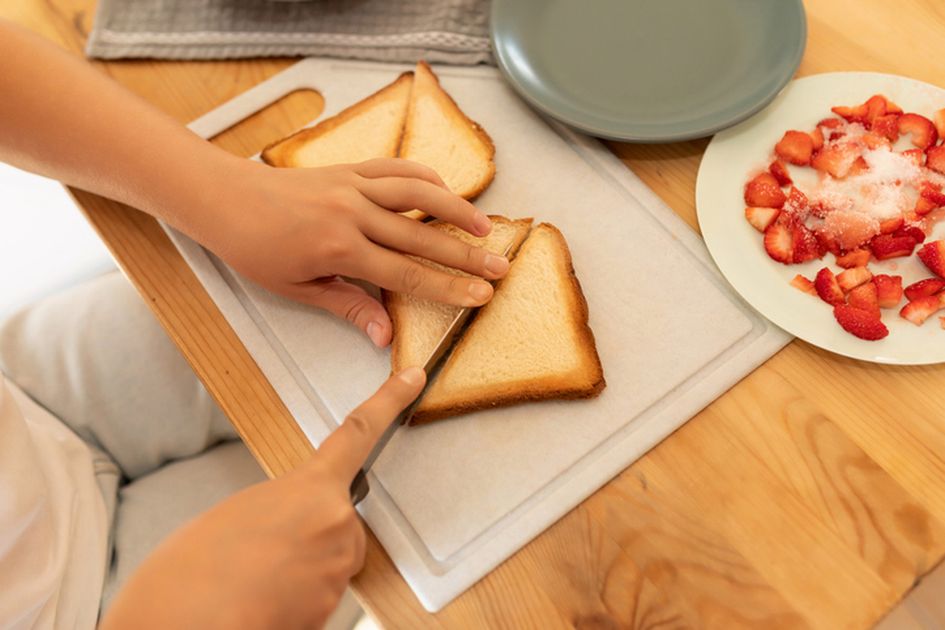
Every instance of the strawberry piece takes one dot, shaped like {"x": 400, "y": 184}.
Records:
{"x": 874, "y": 140}
{"x": 859, "y": 166}
{"x": 888, "y": 290}
{"x": 886, "y": 246}
{"x": 875, "y": 107}
{"x": 801, "y": 283}
{"x": 797, "y": 202}
{"x": 830, "y": 123}
{"x": 835, "y": 159}
{"x": 859, "y": 323}
{"x": 890, "y": 225}
{"x": 828, "y": 242}
{"x": 851, "y": 114}
{"x": 924, "y": 288}
{"x": 855, "y": 258}
{"x": 779, "y": 242}
{"x": 892, "y": 108}
{"x": 796, "y": 147}
{"x": 932, "y": 192}
{"x": 825, "y": 283}
{"x": 923, "y": 131}
{"x": 917, "y": 311}
{"x": 935, "y": 159}
{"x": 916, "y": 155}
{"x": 938, "y": 119}
{"x": 761, "y": 218}
{"x": 817, "y": 138}
{"x": 933, "y": 255}
{"x": 848, "y": 279}
{"x": 865, "y": 297}
{"x": 887, "y": 126}
{"x": 912, "y": 232}
{"x": 806, "y": 246}
{"x": 923, "y": 206}
{"x": 780, "y": 172}
{"x": 764, "y": 191}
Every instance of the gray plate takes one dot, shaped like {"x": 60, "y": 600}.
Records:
{"x": 649, "y": 70}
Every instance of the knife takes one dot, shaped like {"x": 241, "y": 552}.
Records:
{"x": 359, "y": 487}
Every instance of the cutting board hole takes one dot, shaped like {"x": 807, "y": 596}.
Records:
{"x": 279, "y": 119}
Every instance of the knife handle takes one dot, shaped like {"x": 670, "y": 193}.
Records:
{"x": 359, "y": 487}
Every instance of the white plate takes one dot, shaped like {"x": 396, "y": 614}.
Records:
{"x": 738, "y": 249}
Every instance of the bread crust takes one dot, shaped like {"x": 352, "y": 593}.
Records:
{"x": 590, "y": 377}
{"x": 277, "y": 153}
{"x": 465, "y": 120}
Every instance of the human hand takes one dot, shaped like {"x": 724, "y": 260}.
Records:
{"x": 276, "y": 555}
{"x": 295, "y": 231}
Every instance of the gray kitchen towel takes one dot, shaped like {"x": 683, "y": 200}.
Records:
{"x": 443, "y": 31}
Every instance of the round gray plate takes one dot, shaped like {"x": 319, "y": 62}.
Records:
{"x": 649, "y": 70}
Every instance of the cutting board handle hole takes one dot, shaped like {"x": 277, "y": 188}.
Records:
{"x": 277, "y": 120}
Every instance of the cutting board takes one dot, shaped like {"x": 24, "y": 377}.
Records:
{"x": 450, "y": 500}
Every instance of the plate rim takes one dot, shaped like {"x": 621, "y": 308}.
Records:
{"x": 505, "y": 66}
{"x": 779, "y": 318}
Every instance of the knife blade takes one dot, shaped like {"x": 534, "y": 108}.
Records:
{"x": 359, "y": 486}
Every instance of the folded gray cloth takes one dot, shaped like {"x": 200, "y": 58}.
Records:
{"x": 444, "y": 31}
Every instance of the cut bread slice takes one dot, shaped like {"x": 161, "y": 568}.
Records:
{"x": 371, "y": 128}
{"x": 438, "y": 134}
{"x": 530, "y": 342}
{"x": 419, "y": 324}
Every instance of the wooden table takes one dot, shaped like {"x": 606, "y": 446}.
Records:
{"x": 811, "y": 494}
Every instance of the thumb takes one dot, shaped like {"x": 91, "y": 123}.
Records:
{"x": 348, "y": 446}
{"x": 349, "y": 302}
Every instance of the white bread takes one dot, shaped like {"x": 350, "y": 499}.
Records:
{"x": 531, "y": 342}
{"x": 419, "y": 324}
{"x": 371, "y": 128}
{"x": 438, "y": 134}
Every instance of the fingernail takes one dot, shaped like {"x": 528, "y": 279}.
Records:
{"x": 497, "y": 265}
{"x": 376, "y": 333}
{"x": 482, "y": 224}
{"x": 480, "y": 291}
{"x": 412, "y": 376}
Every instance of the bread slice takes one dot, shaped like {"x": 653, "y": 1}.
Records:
{"x": 439, "y": 135}
{"x": 531, "y": 342}
{"x": 371, "y": 128}
{"x": 419, "y": 324}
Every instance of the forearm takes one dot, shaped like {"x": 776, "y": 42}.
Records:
{"x": 61, "y": 118}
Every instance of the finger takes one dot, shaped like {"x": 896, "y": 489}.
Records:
{"x": 396, "y": 167}
{"x": 404, "y": 193}
{"x": 412, "y": 237}
{"x": 397, "y": 272}
{"x": 349, "y": 302}
{"x": 348, "y": 446}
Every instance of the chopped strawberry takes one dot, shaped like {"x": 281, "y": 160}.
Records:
{"x": 938, "y": 118}
{"x": 830, "y": 123}
{"x": 825, "y": 283}
{"x": 806, "y": 246}
{"x": 912, "y": 232}
{"x": 924, "y": 288}
{"x": 916, "y": 155}
{"x": 797, "y": 202}
{"x": 933, "y": 255}
{"x": 828, "y": 242}
{"x": 863, "y": 324}
{"x": 923, "y": 131}
{"x": 917, "y": 311}
{"x": 892, "y": 108}
{"x": 780, "y": 172}
{"x": 803, "y": 284}
{"x": 836, "y": 159}
{"x": 764, "y": 191}
{"x": 817, "y": 138}
{"x": 935, "y": 158}
{"x": 859, "y": 166}
{"x": 888, "y": 290}
{"x": 851, "y": 114}
{"x": 848, "y": 279}
{"x": 886, "y": 246}
{"x": 779, "y": 242}
{"x": 796, "y": 147}
{"x": 874, "y": 140}
{"x": 889, "y": 226}
{"x": 923, "y": 206}
{"x": 887, "y": 126}
{"x": 932, "y": 192}
{"x": 875, "y": 107}
{"x": 855, "y": 258}
{"x": 761, "y": 218}
{"x": 865, "y": 297}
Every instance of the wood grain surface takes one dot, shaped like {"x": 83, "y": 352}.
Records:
{"x": 811, "y": 495}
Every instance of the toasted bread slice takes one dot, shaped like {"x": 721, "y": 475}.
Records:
{"x": 371, "y": 128}
{"x": 439, "y": 135}
{"x": 419, "y": 324}
{"x": 531, "y": 342}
